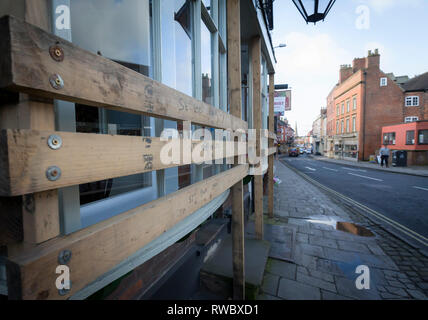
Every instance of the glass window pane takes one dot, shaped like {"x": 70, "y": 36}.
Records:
{"x": 177, "y": 45}
{"x": 120, "y": 31}
{"x": 410, "y": 137}
{"x": 423, "y": 136}
{"x": 206, "y": 64}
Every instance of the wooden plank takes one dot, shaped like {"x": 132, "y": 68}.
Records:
{"x": 97, "y": 249}
{"x": 36, "y": 214}
{"x": 40, "y": 216}
{"x": 94, "y": 80}
{"x": 255, "y": 53}
{"x": 271, "y": 142}
{"x": 235, "y": 102}
{"x": 25, "y": 156}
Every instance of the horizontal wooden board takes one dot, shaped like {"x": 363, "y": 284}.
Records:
{"x": 99, "y": 248}
{"x": 90, "y": 79}
{"x": 86, "y": 157}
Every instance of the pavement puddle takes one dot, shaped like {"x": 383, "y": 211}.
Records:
{"x": 348, "y": 227}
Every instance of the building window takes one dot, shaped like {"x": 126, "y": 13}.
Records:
{"x": 347, "y": 125}
{"x": 337, "y": 127}
{"x": 410, "y": 137}
{"x": 176, "y": 28}
{"x": 410, "y": 119}
{"x": 389, "y": 138}
{"x": 412, "y": 101}
{"x": 354, "y": 103}
{"x": 342, "y": 129}
{"x": 95, "y": 28}
{"x": 343, "y": 107}
{"x": 337, "y": 110}
{"x": 206, "y": 64}
{"x": 348, "y": 103}
{"x": 383, "y": 82}
{"x": 423, "y": 137}
{"x": 354, "y": 123}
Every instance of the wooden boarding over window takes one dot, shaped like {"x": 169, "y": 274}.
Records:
{"x": 39, "y": 63}
{"x": 97, "y": 249}
{"x": 86, "y": 157}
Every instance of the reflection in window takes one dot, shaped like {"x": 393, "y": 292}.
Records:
{"x": 410, "y": 137}
{"x": 423, "y": 136}
{"x": 389, "y": 138}
{"x": 177, "y": 45}
{"x": 119, "y": 30}
{"x": 206, "y": 53}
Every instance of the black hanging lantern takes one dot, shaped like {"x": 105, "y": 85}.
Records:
{"x": 314, "y": 10}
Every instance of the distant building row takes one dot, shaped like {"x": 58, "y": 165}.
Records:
{"x": 363, "y": 102}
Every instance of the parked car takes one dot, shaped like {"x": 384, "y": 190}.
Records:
{"x": 301, "y": 151}
{"x": 308, "y": 151}
{"x": 293, "y": 152}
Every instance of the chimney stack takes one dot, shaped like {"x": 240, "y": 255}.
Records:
{"x": 345, "y": 72}
{"x": 373, "y": 59}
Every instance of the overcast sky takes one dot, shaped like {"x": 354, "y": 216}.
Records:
{"x": 310, "y": 63}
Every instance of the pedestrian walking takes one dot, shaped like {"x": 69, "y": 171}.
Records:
{"x": 384, "y": 155}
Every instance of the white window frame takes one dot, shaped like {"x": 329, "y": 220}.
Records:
{"x": 411, "y": 119}
{"x": 354, "y": 124}
{"x": 411, "y": 101}
{"x": 383, "y": 81}
{"x": 354, "y": 103}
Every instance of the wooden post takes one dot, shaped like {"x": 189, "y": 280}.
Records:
{"x": 255, "y": 51}
{"x": 234, "y": 87}
{"x": 39, "y": 211}
{"x": 271, "y": 142}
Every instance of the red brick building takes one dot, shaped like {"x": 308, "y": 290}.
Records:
{"x": 364, "y": 100}
{"x": 412, "y": 137}
{"x": 415, "y": 106}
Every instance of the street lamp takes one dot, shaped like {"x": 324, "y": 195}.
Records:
{"x": 314, "y": 10}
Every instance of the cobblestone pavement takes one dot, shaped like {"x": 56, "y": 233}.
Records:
{"x": 326, "y": 259}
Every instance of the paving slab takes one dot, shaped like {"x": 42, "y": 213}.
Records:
{"x": 293, "y": 290}
{"x": 281, "y": 268}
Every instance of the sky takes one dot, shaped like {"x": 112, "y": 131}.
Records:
{"x": 311, "y": 61}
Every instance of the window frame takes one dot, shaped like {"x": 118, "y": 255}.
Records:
{"x": 411, "y": 99}
{"x": 384, "y": 81}
{"x": 410, "y": 119}
{"x": 354, "y": 103}
{"x": 407, "y": 137}
{"x": 393, "y": 140}
{"x": 419, "y": 133}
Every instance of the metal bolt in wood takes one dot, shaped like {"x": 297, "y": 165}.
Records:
{"x": 53, "y": 173}
{"x": 54, "y": 142}
{"x": 57, "y": 53}
{"x": 56, "y": 81}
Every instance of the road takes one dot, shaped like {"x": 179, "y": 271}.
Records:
{"x": 399, "y": 197}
